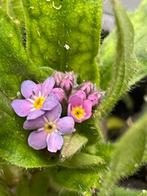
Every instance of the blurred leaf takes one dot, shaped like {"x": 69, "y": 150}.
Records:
{"x": 39, "y": 184}
{"x": 138, "y": 20}
{"x": 15, "y": 11}
{"x": 72, "y": 144}
{"x": 115, "y": 122}
{"x": 127, "y": 155}
{"x": 127, "y": 192}
{"x": 64, "y": 35}
{"x": 23, "y": 188}
{"x": 4, "y": 191}
{"x": 123, "y": 68}
{"x": 83, "y": 182}
{"x": 108, "y": 49}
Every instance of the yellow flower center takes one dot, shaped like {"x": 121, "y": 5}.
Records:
{"x": 78, "y": 112}
{"x": 49, "y": 127}
{"x": 39, "y": 102}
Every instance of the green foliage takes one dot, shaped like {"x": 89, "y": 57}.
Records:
{"x": 4, "y": 191}
{"x": 123, "y": 66}
{"x": 82, "y": 182}
{"x": 108, "y": 50}
{"x": 127, "y": 155}
{"x": 128, "y": 192}
{"x": 84, "y": 160}
{"x": 64, "y": 35}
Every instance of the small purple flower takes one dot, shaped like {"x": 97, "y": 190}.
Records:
{"x": 80, "y": 109}
{"x": 95, "y": 97}
{"x": 50, "y": 128}
{"x": 37, "y": 99}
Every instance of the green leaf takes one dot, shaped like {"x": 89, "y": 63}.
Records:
{"x": 108, "y": 49}
{"x": 80, "y": 181}
{"x": 23, "y": 188}
{"x": 4, "y": 191}
{"x": 39, "y": 184}
{"x": 72, "y": 144}
{"x": 84, "y": 160}
{"x": 123, "y": 68}
{"x": 15, "y": 11}
{"x": 64, "y": 35}
{"x": 138, "y": 20}
{"x": 127, "y": 155}
{"x": 14, "y": 64}
{"x": 128, "y": 192}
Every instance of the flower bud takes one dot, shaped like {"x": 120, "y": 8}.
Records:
{"x": 58, "y": 77}
{"x": 59, "y": 93}
{"x": 95, "y": 98}
{"x": 68, "y": 81}
{"x": 87, "y": 87}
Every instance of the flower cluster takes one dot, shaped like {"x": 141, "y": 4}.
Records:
{"x": 43, "y": 104}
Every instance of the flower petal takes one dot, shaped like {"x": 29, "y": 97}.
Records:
{"x": 81, "y": 94}
{"x": 54, "y": 142}
{"x": 50, "y": 102}
{"x": 37, "y": 89}
{"x": 66, "y": 125}
{"x": 34, "y": 124}
{"x": 54, "y": 114}
{"x": 37, "y": 139}
{"x": 22, "y": 107}
{"x": 35, "y": 114}
{"x": 47, "y": 86}
{"x": 75, "y": 100}
{"x": 87, "y": 105}
{"x": 27, "y": 88}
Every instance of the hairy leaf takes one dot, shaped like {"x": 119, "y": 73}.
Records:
{"x": 128, "y": 192}
{"x": 127, "y": 155}
{"x": 123, "y": 67}
{"x": 80, "y": 181}
{"x": 64, "y": 35}
{"x": 72, "y": 144}
{"x": 14, "y": 64}
{"x": 84, "y": 160}
{"x": 108, "y": 49}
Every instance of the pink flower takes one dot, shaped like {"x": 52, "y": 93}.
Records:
{"x": 37, "y": 99}
{"x": 80, "y": 109}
